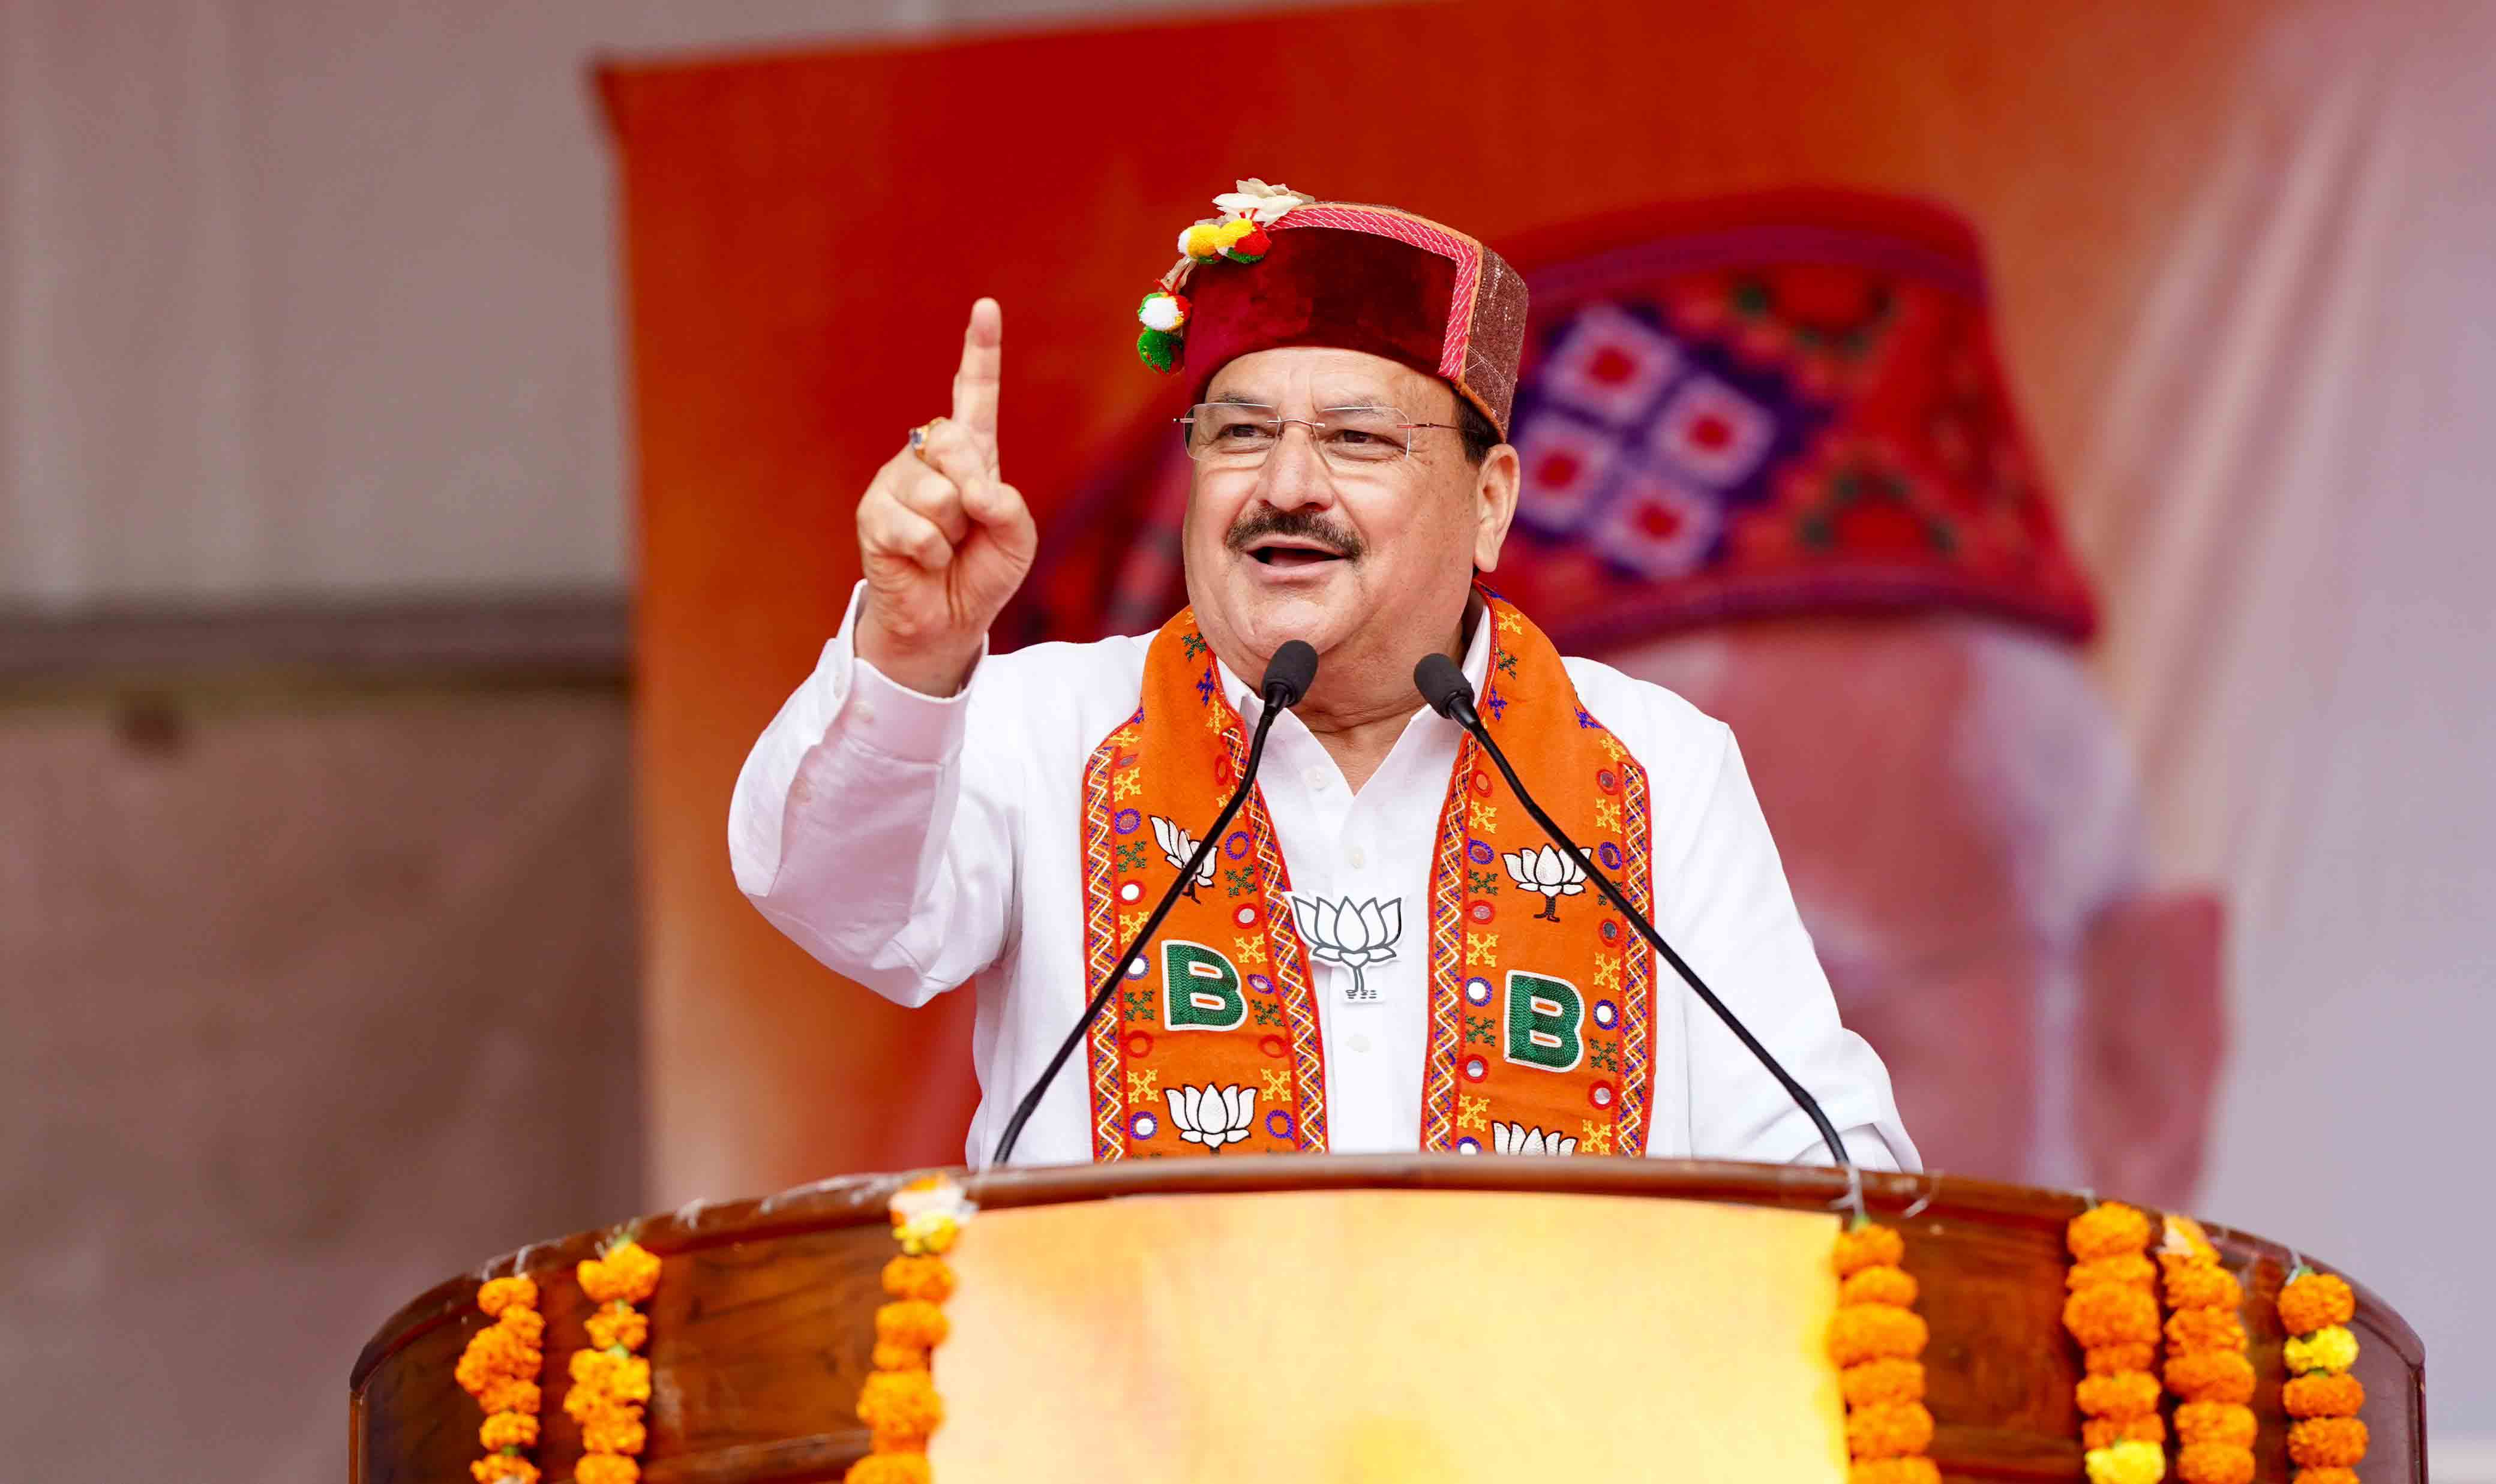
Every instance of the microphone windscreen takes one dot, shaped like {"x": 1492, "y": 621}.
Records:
{"x": 1294, "y": 669}
{"x": 1441, "y": 682}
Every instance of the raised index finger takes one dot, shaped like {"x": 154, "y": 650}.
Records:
{"x": 975, "y": 386}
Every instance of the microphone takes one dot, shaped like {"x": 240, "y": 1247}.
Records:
{"x": 1288, "y": 677}
{"x": 1445, "y": 686}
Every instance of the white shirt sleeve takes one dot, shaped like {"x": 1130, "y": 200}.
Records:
{"x": 867, "y": 829}
{"x": 1722, "y": 903}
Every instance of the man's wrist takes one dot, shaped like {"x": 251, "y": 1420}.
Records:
{"x": 939, "y": 671}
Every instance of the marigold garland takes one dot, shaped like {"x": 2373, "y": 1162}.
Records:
{"x": 1875, "y": 1338}
{"x": 898, "y": 1401}
{"x": 2112, "y": 1312}
{"x": 610, "y": 1385}
{"x": 499, "y": 1369}
{"x": 2214, "y": 1428}
{"x": 2326, "y": 1441}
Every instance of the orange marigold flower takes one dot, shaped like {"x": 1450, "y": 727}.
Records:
{"x": 510, "y": 1396}
{"x": 526, "y": 1325}
{"x": 509, "y": 1430}
{"x": 2211, "y": 1376}
{"x": 500, "y": 1293}
{"x": 1869, "y": 1246}
{"x": 2204, "y": 1286}
{"x": 2327, "y": 1443}
{"x": 2128, "y": 1395}
{"x": 890, "y": 1468}
{"x": 2311, "y": 1301}
{"x": 898, "y": 1357}
{"x": 2188, "y": 1330}
{"x": 619, "y": 1324}
{"x": 914, "y": 1322}
{"x": 2106, "y": 1432}
{"x": 2097, "y": 1317}
{"x": 499, "y": 1467}
{"x": 619, "y": 1432}
{"x": 605, "y": 1468}
{"x": 2115, "y": 1359}
{"x": 2130, "y": 1270}
{"x": 1893, "y": 1470}
{"x": 900, "y": 1406}
{"x": 2323, "y": 1393}
{"x": 2108, "y": 1230}
{"x": 1888, "y": 1430}
{"x": 1882, "y": 1381}
{"x": 494, "y": 1354}
{"x": 2326, "y": 1476}
{"x": 2214, "y": 1422}
{"x": 1881, "y": 1283}
{"x": 1876, "y": 1332}
{"x": 918, "y": 1277}
{"x": 628, "y": 1271}
{"x": 2214, "y": 1463}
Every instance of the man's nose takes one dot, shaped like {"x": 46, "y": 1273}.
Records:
{"x": 1295, "y": 476}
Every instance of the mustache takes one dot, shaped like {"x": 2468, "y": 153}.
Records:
{"x": 1308, "y": 525}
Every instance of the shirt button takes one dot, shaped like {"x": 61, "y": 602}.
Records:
{"x": 1316, "y": 778}
{"x": 1359, "y": 1042}
{"x": 1357, "y": 857}
{"x": 865, "y": 713}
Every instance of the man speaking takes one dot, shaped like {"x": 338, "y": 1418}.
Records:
{"x": 1382, "y": 950}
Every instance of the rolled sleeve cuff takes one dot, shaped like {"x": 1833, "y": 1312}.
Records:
{"x": 888, "y": 718}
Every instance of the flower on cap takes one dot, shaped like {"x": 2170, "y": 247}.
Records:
{"x": 1261, "y": 202}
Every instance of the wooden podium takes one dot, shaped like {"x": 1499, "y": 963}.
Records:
{"x": 1384, "y": 1317}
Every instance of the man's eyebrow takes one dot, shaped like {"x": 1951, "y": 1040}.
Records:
{"x": 1240, "y": 399}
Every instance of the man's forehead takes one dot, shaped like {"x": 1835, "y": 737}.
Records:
{"x": 1326, "y": 376}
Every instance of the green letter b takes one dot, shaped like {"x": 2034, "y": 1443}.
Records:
{"x": 1543, "y": 1014}
{"x": 1200, "y": 989}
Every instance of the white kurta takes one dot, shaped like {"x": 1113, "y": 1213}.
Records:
{"x": 916, "y": 843}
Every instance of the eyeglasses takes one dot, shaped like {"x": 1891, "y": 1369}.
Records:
{"x": 1239, "y": 435}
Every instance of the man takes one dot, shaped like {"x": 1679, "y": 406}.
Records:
{"x": 1385, "y": 954}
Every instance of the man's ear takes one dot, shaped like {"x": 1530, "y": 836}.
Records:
{"x": 1495, "y": 490}
{"x": 2153, "y": 1036}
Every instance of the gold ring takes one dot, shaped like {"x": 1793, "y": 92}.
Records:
{"x": 918, "y": 438}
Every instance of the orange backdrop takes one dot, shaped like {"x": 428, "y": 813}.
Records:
{"x": 804, "y": 233}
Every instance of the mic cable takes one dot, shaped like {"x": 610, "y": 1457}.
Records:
{"x": 1288, "y": 677}
{"x": 1445, "y": 686}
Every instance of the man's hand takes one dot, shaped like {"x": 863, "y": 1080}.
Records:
{"x": 944, "y": 540}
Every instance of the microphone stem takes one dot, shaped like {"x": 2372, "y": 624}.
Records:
{"x": 1637, "y": 919}
{"x": 1030, "y": 1103}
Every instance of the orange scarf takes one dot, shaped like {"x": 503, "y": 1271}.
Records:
{"x": 1539, "y": 994}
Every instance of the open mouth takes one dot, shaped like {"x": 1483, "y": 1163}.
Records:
{"x": 1288, "y": 554}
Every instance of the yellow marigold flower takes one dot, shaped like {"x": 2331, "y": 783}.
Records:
{"x": 2328, "y": 1348}
{"x": 2108, "y": 1230}
{"x": 913, "y": 1322}
{"x": 2129, "y": 1270}
{"x": 1881, "y": 1380}
{"x": 890, "y": 1468}
{"x": 1893, "y": 1470}
{"x": 2130, "y": 1461}
{"x": 620, "y": 1432}
{"x": 509, "y": 1430}
{"x": 1888, "y": 1430}
{"x": 898, "y": 1357}
{"x": 1879, "y": 1285}
{"x": 2106, "y": 1432}
{"x": 2188, "y": 1330}
{"x": 499, "y": 1467}
{"x": 900, "y": 1406}
{"x": 2128, "y": 1395}
{"x": 1876, "y": 1332}
{"x": 2211, "y": 1376}
{"x": 2313, "y": 1301}
{"x": 2214, "y": 1422}
{"x": 2115, "y": 1359}
{"x": 918, "y": 1277}
{"x": 2323, "y": 1393}
{"x": 2214, "y": 1463}
{"x": 619, "y": 1324}
{"x": 510, "y": 1396}
{"x": 500, "y": 1293}
{"x": 2327, "y": 1443}
{"x": 2099, "y": 1318}
{"x": 605, "y": 1468}
{"x": 2204, "y": 1286}
{"x": 1869, "y": 1246}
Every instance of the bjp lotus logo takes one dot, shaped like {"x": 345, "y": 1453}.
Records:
{"x": 1520, "y": 1139}
{"x": 1352, "y": 934}
{"x": 1178, "y": 845}
{"x": 1548, "y": 871}
{"x": 1211, "y": 1116}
